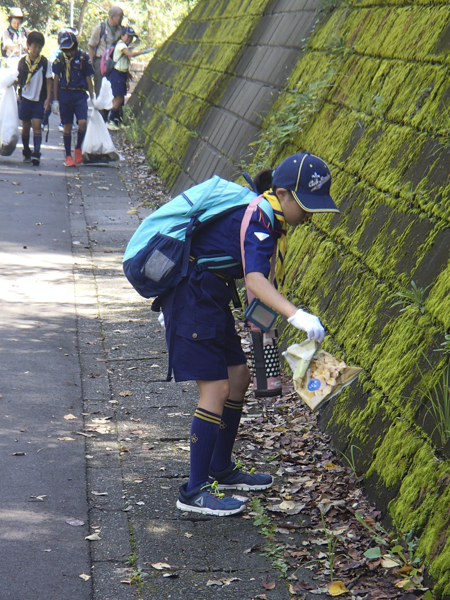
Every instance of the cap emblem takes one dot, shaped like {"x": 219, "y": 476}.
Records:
{"x": 317, "y": 181}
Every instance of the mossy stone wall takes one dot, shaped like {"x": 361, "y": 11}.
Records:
{"x": 371, "y": 93}
{"x": 188, "y": 74}
{"x": 383, "y": 125}
{"x": 206, "y": 91}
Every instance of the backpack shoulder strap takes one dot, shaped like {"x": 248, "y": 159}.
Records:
{"x": 266, "y": 207}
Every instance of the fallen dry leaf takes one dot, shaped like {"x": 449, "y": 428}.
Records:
{"x": 126, "y": 393}
{"x": 388, "y": 563}
{"x": 69, "y": 417}
{"x": 85, "y": 577}
{"x": 267, "y": 584}
{"x": 160, "y": 566}
{"x": 94, "y": 537}
{"x": 337, "y": 588}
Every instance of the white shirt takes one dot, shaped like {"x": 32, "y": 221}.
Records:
{"x": 33, "y": 89}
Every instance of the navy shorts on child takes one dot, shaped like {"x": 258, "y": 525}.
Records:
{"x": 29, "y": 110}
{"x": 72, "y": 103}
{"x": 118, "y": 81}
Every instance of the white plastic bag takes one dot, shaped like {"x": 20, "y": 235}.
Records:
{"x": 98, "y": 145}
{"x": 105, "y": 96}
{"x": 9, "y": 115}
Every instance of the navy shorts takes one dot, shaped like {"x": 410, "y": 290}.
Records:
{"x": 29, "y": 110}
{"x": 73, "y": 102}
{"x": 200, "y": 331}
{"x": 118, "y": 81}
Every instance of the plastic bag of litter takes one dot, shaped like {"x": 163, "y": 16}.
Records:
{"x": 98, "y": 145}
{"x": 105, "y": 96}
{"x": 318, "y": 376}
{"x": 9, "y": 115}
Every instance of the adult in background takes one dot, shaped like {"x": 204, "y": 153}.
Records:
{"x": 14, "y": 39}
{"x": 103, "y": 36}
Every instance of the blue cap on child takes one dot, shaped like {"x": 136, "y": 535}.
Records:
{"x": 68, "y": 40}
{"x": 308, "y": 178}
{"x": 128, "y": 30}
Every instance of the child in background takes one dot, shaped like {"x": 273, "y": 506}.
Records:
{"x": 73, "y": 72}
{"x": 14, "y": 38}
{"x": 120, "y": 75}
{"x": 34, "y": 88}
{"x": 200, "y": 332}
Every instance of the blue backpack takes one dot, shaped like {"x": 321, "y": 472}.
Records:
{"x": 157, "y": 256}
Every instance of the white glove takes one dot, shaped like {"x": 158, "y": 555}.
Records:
{"x": 55, "y": 107}
{"x": 161, "y": 320}
{"x": 309, "y": 323}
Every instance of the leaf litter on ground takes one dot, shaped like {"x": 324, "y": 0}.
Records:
{"x": 281, "y": 435}
{"x": 316, "y": 498}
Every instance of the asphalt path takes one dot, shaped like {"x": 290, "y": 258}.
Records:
{"x": 94, "y": 441}
{"x": 42, "y": 463}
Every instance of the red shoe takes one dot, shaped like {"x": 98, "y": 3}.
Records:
{"x": 78, "y": 156}
{"x": 68, "y": 161}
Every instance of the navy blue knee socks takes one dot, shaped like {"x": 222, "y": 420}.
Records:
{"x": 204, "y": 430}
{"x": 114, "y": 115}
{"x": 80, "y": 138}
{"x": 26, "y": 143}
{"x": 37, "y": 139}
{"x": 231, "y": 416}
{"x": 67, "y": 143}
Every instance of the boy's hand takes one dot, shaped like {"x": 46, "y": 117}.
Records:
{"x": 309, "y": 323}
{"x": 55, "y": 107}
{"x": 46, "y": 104}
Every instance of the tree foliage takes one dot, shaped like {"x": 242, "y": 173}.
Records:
{"x": 154, "y": 20}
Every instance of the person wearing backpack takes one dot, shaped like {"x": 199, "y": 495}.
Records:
{"x": 200, "y": 332}
{"x": 103, "y": 36}
{"x": 120, "y": 75}
{"x": 34, "y": 88}
{"x": 73, "y": 73}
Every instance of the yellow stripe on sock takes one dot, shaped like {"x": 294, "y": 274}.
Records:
{"x": 234, "y": 405}
{"x": 207, "y": 417}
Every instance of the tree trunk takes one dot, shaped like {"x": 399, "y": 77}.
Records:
{"x": 80, "y": 20}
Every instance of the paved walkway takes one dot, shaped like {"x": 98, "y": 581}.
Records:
{"x": 94, "y": 441}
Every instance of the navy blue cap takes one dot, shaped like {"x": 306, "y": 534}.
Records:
{"x": 68, "y": 40}
{"x": 308, "y": 178}
{"x": 129, "y": 31}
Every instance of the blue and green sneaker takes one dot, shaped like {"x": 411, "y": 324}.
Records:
{"x": 235, "y": 478}
{"x": 207, "y": 500}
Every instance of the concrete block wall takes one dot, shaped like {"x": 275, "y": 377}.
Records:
{"x": 204, "y": 94}
{"x": 261, "y": 71}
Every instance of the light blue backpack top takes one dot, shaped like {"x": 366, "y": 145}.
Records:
{"x": 157, "y": 256}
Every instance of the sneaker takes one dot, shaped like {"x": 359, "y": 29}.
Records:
{"x": 234, "y": 478}
{"x": 36, "y": 158}
{"x": 206, "y": 500}
{"x": 61, "y": 127}
{"x": 78, "y": 156}
{"x": 69, "y": 162}
{"x": 112, "y": 126}
{"x": 26, "y": 156}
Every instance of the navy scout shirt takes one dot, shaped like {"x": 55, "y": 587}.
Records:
{"x": 223, "y": 236}
{"x": 80, "y": 68}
